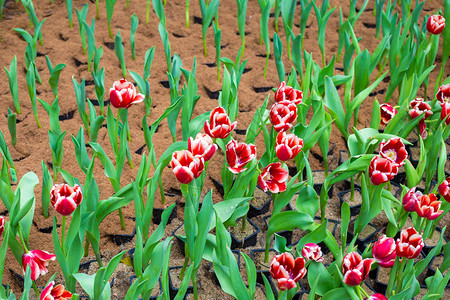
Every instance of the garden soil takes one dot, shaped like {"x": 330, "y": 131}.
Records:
{"x": 63, "y": 45}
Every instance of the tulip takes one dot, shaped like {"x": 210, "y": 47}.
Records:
{"x": 435, "y": 24}
{"x": 287, "y": 271}
{"x": 445, "y": 112}
{"x": 238, "y": 155}
{"x": 411, "y": 200}
{"x": 202, "y": 146}
{"x": 377, "y": 296}
{"x": 382, "y": 170}
{"x": 38, "y": 262}
{"x": 288, "y": 146}
{"x": 2, "y": 224}
{"x": 409, "y": 244}
{"x": 384, "y": 251}
{"x": 186, "y": 166}
{"x": 65, "y": 199}
{"x": 429, "y": 207}
{"x": 444, "y": 189}
{"x": 387, "y": 113}
{"x": 285, "y": 92}
{"x": 394, "y": 150}
{"x": 282, "y": 115}
{"x": 55, "y": 293}
{"x": 123, "y": 94}
{"x": 418, "y": 106}
{"x": 273, "y": 177}
{"x": 355, "y": 269}
{"x": 443, "y": 94}
{"x": 219, "y": 125}
{"x": 312, "y": 251}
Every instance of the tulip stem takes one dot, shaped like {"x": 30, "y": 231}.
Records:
{"x": 186, "y": 261}
{"x": 400, "y": 274}
{"x": 363, "y": 291}
{"x": 24, "y": 245}
{"x": 36, "y": 290}
{"x": 63, "y": 232}
{"x": 392, "y": 277}
{"x": 194, "y": 283}
{"x": 244, "y": 223}
{"x": 86, "y": 248}
{"x": 122, "y": 222}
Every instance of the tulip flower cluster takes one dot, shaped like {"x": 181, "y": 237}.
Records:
{"x": 355, "y": 269}
{"x": 283, "y": 112}
{"x": 384, "y": 167}
{"x": 426, "y": 206}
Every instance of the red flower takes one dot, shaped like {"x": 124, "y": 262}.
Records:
{"x": 55, "y": 293}
{"x": 282, "y": 115}
{"x": 186, "y": 166}
{"x": 411, "y": 200}
{"x": 429, "y": 207}
{"x": 384, "y": 251}
{"x": 65, "y": 199}
{"x": 285, "y": 92}
{"x": 238, "y": 155}
{"x": 38, "y": 261}
{"x": 202, "y": 146}
{"x": 219, "y": 125}
{"x": 287, "y": 271}
{"x": 394, "y": 150}
{"x": 313, "y": 252}
{"x": 444, "y": 189}
{"x": 435, "y": 24}
{"x": 409, "y": 244}
{"x": 273, "y": 177}
{"x": 123, "y": 94}
{"x": 443, "y": 94}
{"x": 288, "y": 146}
{"x": 377, "y": 297}
{"x": 445, "y": 112}
{"x": 2, "y": 224}
{"x": 387, "y": 113}
{"x": 382, "y": 170}
{"x": 418, "y": 106}
{"x": 355, "y": 269}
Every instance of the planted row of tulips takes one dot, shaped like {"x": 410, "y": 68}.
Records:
{"x": 377, "y": 154}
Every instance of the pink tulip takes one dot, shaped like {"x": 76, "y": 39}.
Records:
{"x": 377, "y": 297}
{"x": 355, "y": 269}
{"x": 38, "y": 262}
{"x": 219, "y": 126}
{"x": 186, "y": 166}
{"x": 273, "y": 177}
{"x": 429, "y": 207}
{"x": 384, "y": 251}
{"x": 202, "y": 146}
{"x": 65, "y": 199}
{"x": 123, "y": 94}
{"x": 287, "y": 271}
{"x": 411, "y": 200}
{"x": 409, "y": 244}
{"x": 238, "y": 155}
{"x": 312, "y": 251}
{"x": 288, "y": 146}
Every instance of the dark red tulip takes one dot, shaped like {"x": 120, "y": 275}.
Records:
{"x": 312, "y": 251}
{"x": 287, "y": 271}
{"x": 202, "y": 146}
{"x": 273, "y": 178}
{"x": 282, "y": 115}
{"x": 443, "y": 94}
{"x": 186, "y": 166}
{"x": 435, "y": 24}
{"x": 2, "y": 224}
{"x": 288, "y": 146}
{"x": 238, "y": 155}
{"x": 219, "y": 126}
{"x": 418, "y": 106}
{"x": 444, "y": 189}
{"x": 123, "y": 94}
{"x": 285, "y": 92}
{"x": 55, "y": 293}
{"x": 387, "y": 113}
{"x": 38, "y": 261}
{"x": 355, "y": 269}
{"x": 409, "y": 244}
{"x": 429, "y": 207}
{"x": 394, "y": 150}
{"x": 65, "y": 199}
{"x": 411, "y": 200}
{"x": 384, "y": 251}
{"x": 382, "y": 170}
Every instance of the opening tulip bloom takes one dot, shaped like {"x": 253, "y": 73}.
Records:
{"x": 288, "y": 146}
{"x": 273, "y": 178}
{"x": 443, "y": 94}
{"x": 382, "y": 170}
{"x": 355, "y": 269}
{"x": 219, "y": 126}
{"x": 285, "y": 92}
{"x": 312, "y": 251}
{"x": 2, "y": 224}
{"x": 55, "y": 293}
{"x": 384, "y": 251}
{"x": 286, "y": 270}
{"x": 238, "y": 155}
{"x": 387, "y": 113}
{"x": 394, "y": 150}
{"x": 123, "y": 94}
{"x": 411, "y": 199}
{"x": 429, "y": 207}
{"x": 418, "y": 106}
{"x": 65, "y": 199}
{"x": 202, "y": 146}
{"x": 444, "y": 189}
{"x": 409, "y": 244}
{"x": 186, "y": 166}
{"x": 38, "y": 261}
{"x": 282, "y": 115}
{"x": 445, "y": 112}
{"x": 435, "y": 24}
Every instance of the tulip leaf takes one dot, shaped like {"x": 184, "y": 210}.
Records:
{"x": 337, "y": 293}
{"x": 26, "y": 188}
{"x": 318, "y": 273}
{"x": 289, "y": 220}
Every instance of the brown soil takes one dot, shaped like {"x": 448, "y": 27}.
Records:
{"x": 242, "y": 234}
{"x": 260, "y": 198}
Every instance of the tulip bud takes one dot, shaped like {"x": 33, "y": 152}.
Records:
{"x": 382, "y": 170}
{"x": 429, "y": 207}
{"x": 38, "y": 261}
{"x": 394, "y": 150}
{"x": 287, "y": 271}
{"x": 238, "y": 155}
{"x": 409, "y": 244}
{"x": 273, "y": 177}
{"x": 219, "y": 126}
{"x": 186, "y": 166}
{"x": 384, "y": 251}
{"x": 282, "y": 115}
{"x": 288, "y": 146}
{"x": 443, "y": 94}
{"x": 387, "y": 113}
{"x": 202, "y": 146}
{"x": 355, "y": 269}
{"x": 444, "y": 189}
{"x": 123, "y": 94}
{"x": 285, "y": 92}
{"x": 411, "y": 200}
{"x": 435, "y": 24}
{"x": 312, "y": 251}
{"x": 55, "y": 293}
{"x": 65, "y": 199}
